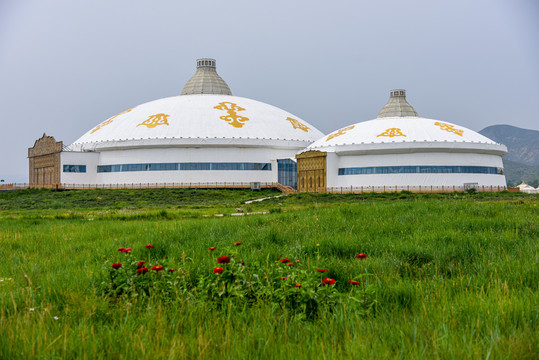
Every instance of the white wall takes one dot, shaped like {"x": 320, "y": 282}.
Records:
{"x": 90, "y": 159}
{"x": 175, "y": 155}
{"x": 332, "y": 168}
{"x": 414, "y": 180}
{"x": 421, "y": 158}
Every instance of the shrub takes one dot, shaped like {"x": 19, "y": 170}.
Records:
{"x": 284, "y": 284}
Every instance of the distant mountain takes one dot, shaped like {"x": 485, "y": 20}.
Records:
{"x": 522, "y": 160}
{"x": 522, "y": 144}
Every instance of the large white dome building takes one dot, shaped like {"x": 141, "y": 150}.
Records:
{"x": 203, "y": 136}
{"x": 402, "y": 151}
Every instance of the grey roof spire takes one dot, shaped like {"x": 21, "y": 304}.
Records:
{"x": 397, "y": 106}
{"x": 206, "y": 80}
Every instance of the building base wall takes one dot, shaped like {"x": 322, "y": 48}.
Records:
{"x": 175, "y": 155}
{"x": 415, "y": 180}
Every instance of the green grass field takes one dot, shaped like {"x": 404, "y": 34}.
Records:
{"x": 452, "y": 276}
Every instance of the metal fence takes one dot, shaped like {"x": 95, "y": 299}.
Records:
{"x": 208, "y": 185}
{"x": 417, "y": 189}
{"x": 263, "y": 185}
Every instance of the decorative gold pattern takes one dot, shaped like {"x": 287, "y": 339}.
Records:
{"x": 232, "y": 117}
{"x": 108, "y": 121}
{"x": 339, "y": 132}
{"x": 392, "y": 132}
{"x": 449, "y": 128}
{"x": 297, "y": 125}
{"x": 104, "y": 123}
{"x": 154, "y": 120}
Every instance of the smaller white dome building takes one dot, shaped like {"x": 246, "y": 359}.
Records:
{"x": 402, "y": 151}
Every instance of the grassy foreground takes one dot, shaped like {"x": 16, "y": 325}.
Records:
{"x": 454, "y": 277}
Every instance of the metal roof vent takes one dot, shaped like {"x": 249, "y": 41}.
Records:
{"x": 206, "y": 80}
{"x": 397, "y": 106}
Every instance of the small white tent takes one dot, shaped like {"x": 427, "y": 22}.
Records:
{"x": 525, "y": 188}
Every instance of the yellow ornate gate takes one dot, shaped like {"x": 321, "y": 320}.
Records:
{"x": 312, "y": 171}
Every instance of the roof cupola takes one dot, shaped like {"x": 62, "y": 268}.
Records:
{"x": 397, "y": 106}
{"x": 206, "y": 80}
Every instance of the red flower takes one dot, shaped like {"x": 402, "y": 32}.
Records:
{"x": 321, "y": 270}
{"x": 141, "y": 264}
{"x": 361, "y": 256}
{"x": 242, "y": 263}
{"x": 353, "y": 282}
{"x": 283, "y": 278}
{"x": 157, "y": 268}
{"x": 121, "y": 249}
{"x": 284, "y": 260}
{"x": 297, "y": 286}
{"x": 116, "y": 265}
{"x": 172, "y": 270}
{"x": 149, "y": 246}
{"x": 142, "y": 270}
{"x": 298, "y": 261}
{"x": 126, "y": 250}
{"x": 223, "y": 260}
{"x": 212, "y": 248}
{"x": 218, "y": 270}
{"x": 237, "y": 244}
{"x": 328, "y": 281}
{"x": 290, "y": 264}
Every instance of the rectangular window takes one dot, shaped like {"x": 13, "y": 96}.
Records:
{"x": 108, "y": 168}
{"x": 75, "y": 168}
{"x": 191, "y": 166}
{"x": 226, "y": 166}
{"x": 104, "y": 168}
{"x": 287, "y": 172}
{"x": 163, "y": 166}
{"x": 419, "y": 170}
{"x": 194, "y": 166}
{"x": 135, "y": 167}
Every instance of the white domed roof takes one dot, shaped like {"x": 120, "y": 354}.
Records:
{"x": 395, "y": 134}
{"x": 192, "y": 120}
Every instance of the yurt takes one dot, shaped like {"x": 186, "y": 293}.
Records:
{"x": 203, "y": 136}
{"x": 399, "y": 150}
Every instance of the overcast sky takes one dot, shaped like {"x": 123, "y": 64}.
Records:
{"x": 66, "y": 65}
